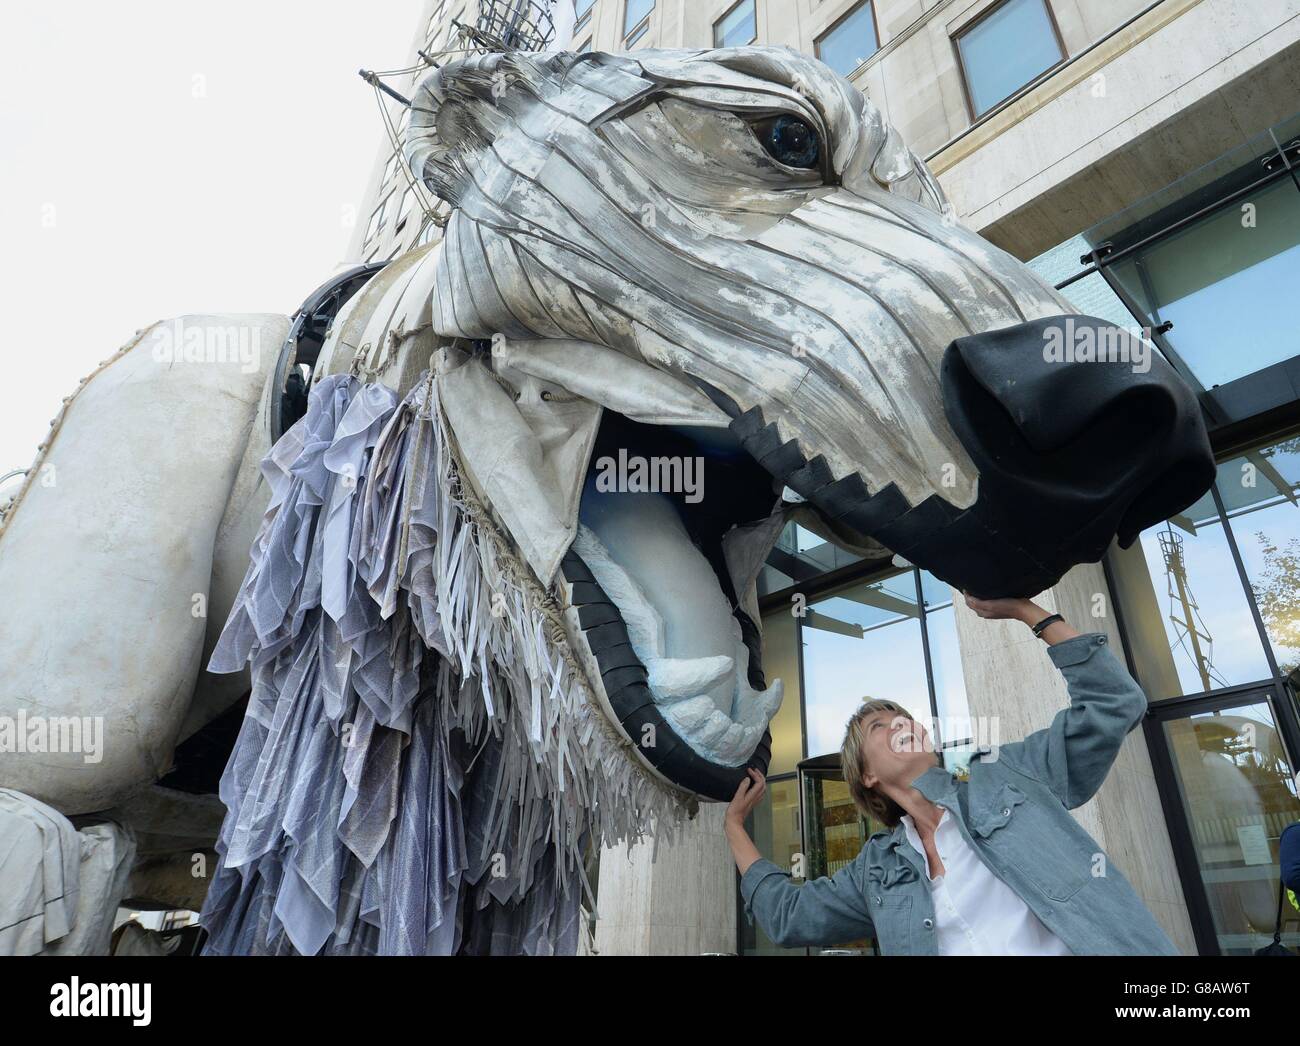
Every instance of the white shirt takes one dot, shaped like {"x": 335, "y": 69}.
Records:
{"x": 975, "y": 912}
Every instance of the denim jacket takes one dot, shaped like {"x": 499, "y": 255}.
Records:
{"x": 1014, "y": 810}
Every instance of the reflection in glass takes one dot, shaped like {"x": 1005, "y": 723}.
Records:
{"x": 1239, "y": 792}
{"x": 1259, "y": 493}
{"x": 1187, "y": 615}
{"x": 1007, "y": 50}
{"x": 1227, "y": 282}
{"x": 774, "y": 827}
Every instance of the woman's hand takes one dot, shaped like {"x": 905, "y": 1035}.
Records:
{"x": 749, "y": 793}
{"x": 1025, "y": 610}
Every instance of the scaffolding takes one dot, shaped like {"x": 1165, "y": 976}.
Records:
{"x": 1190, "y": 630}
{"x": 512, "y": 25}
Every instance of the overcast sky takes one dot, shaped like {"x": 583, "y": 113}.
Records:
{"x": 160, "y": 158}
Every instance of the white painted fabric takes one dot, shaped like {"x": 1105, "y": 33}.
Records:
{"x": 975, "y": 912}
{"x": 110, "y": 544}
{"x": 106, "y": 853}
{"x": 40, "y": 854}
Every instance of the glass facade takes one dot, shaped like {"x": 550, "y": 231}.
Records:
{"x": 1209, "y": 600}
{"x": 1260, "y": 500}
{"x": 1006, "y": 49}
{"x": 890, "y": 635}
{"x": 1225, "y": 283}
{"x": 1236, "y": 787}
{"x": 1181, "y": 594}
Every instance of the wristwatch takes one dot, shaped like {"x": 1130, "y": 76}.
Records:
{"x": 1039, "y": 628}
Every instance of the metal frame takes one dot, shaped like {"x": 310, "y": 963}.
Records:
{"x": 1271, "y": 691}
{"x": 965, "y": 77}
{"x": 1184, "y": 847}
{"x": 512, "y": 25}
{"x": 1102, "y": 257}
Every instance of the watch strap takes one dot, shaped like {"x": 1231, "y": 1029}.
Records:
{"x": 1051, "y": 619}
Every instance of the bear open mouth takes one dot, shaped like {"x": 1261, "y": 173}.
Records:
{"x": 674, "y": 524}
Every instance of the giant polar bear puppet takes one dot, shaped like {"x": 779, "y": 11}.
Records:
{"x": 470, "y": 655}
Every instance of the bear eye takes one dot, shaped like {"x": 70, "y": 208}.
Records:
{"x": 790, "y": 141}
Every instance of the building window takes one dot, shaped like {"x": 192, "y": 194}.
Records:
{"x": 1237, "y": 793}
{"x": 850, "y": 41}
{"x": 636, "y": 20}
{"x": 1181, "y": 591}
{"x": 890, "y": 635}
{"x": 377, "y": 219}
{"x": 781, "y": 660}
{"x": 402, "y": 214}
{"x": 1005, "y": 48}
{"x": 737, "y": 28}
{"x": 885, "y": 625}
{"x": 583, "y": 9}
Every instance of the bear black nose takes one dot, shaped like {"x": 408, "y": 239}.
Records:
{"x": 1081, "y": 432}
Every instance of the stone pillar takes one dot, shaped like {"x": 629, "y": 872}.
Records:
{"x": 679, "y": 901}
{"x": 1008, "y": 675}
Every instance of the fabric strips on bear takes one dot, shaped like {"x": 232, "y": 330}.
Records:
{"x": 420, "y": 770}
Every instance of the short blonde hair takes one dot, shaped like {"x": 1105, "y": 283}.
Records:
{"x": 870, "y": 803}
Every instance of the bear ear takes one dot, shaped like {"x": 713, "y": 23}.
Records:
{"x": 460, "y": 109}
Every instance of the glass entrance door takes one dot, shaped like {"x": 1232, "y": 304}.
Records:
{"x": 1238, "y": 792}
{"x": 833, "y": 833}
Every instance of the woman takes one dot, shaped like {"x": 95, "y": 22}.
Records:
{"x": 991, "y": 864}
